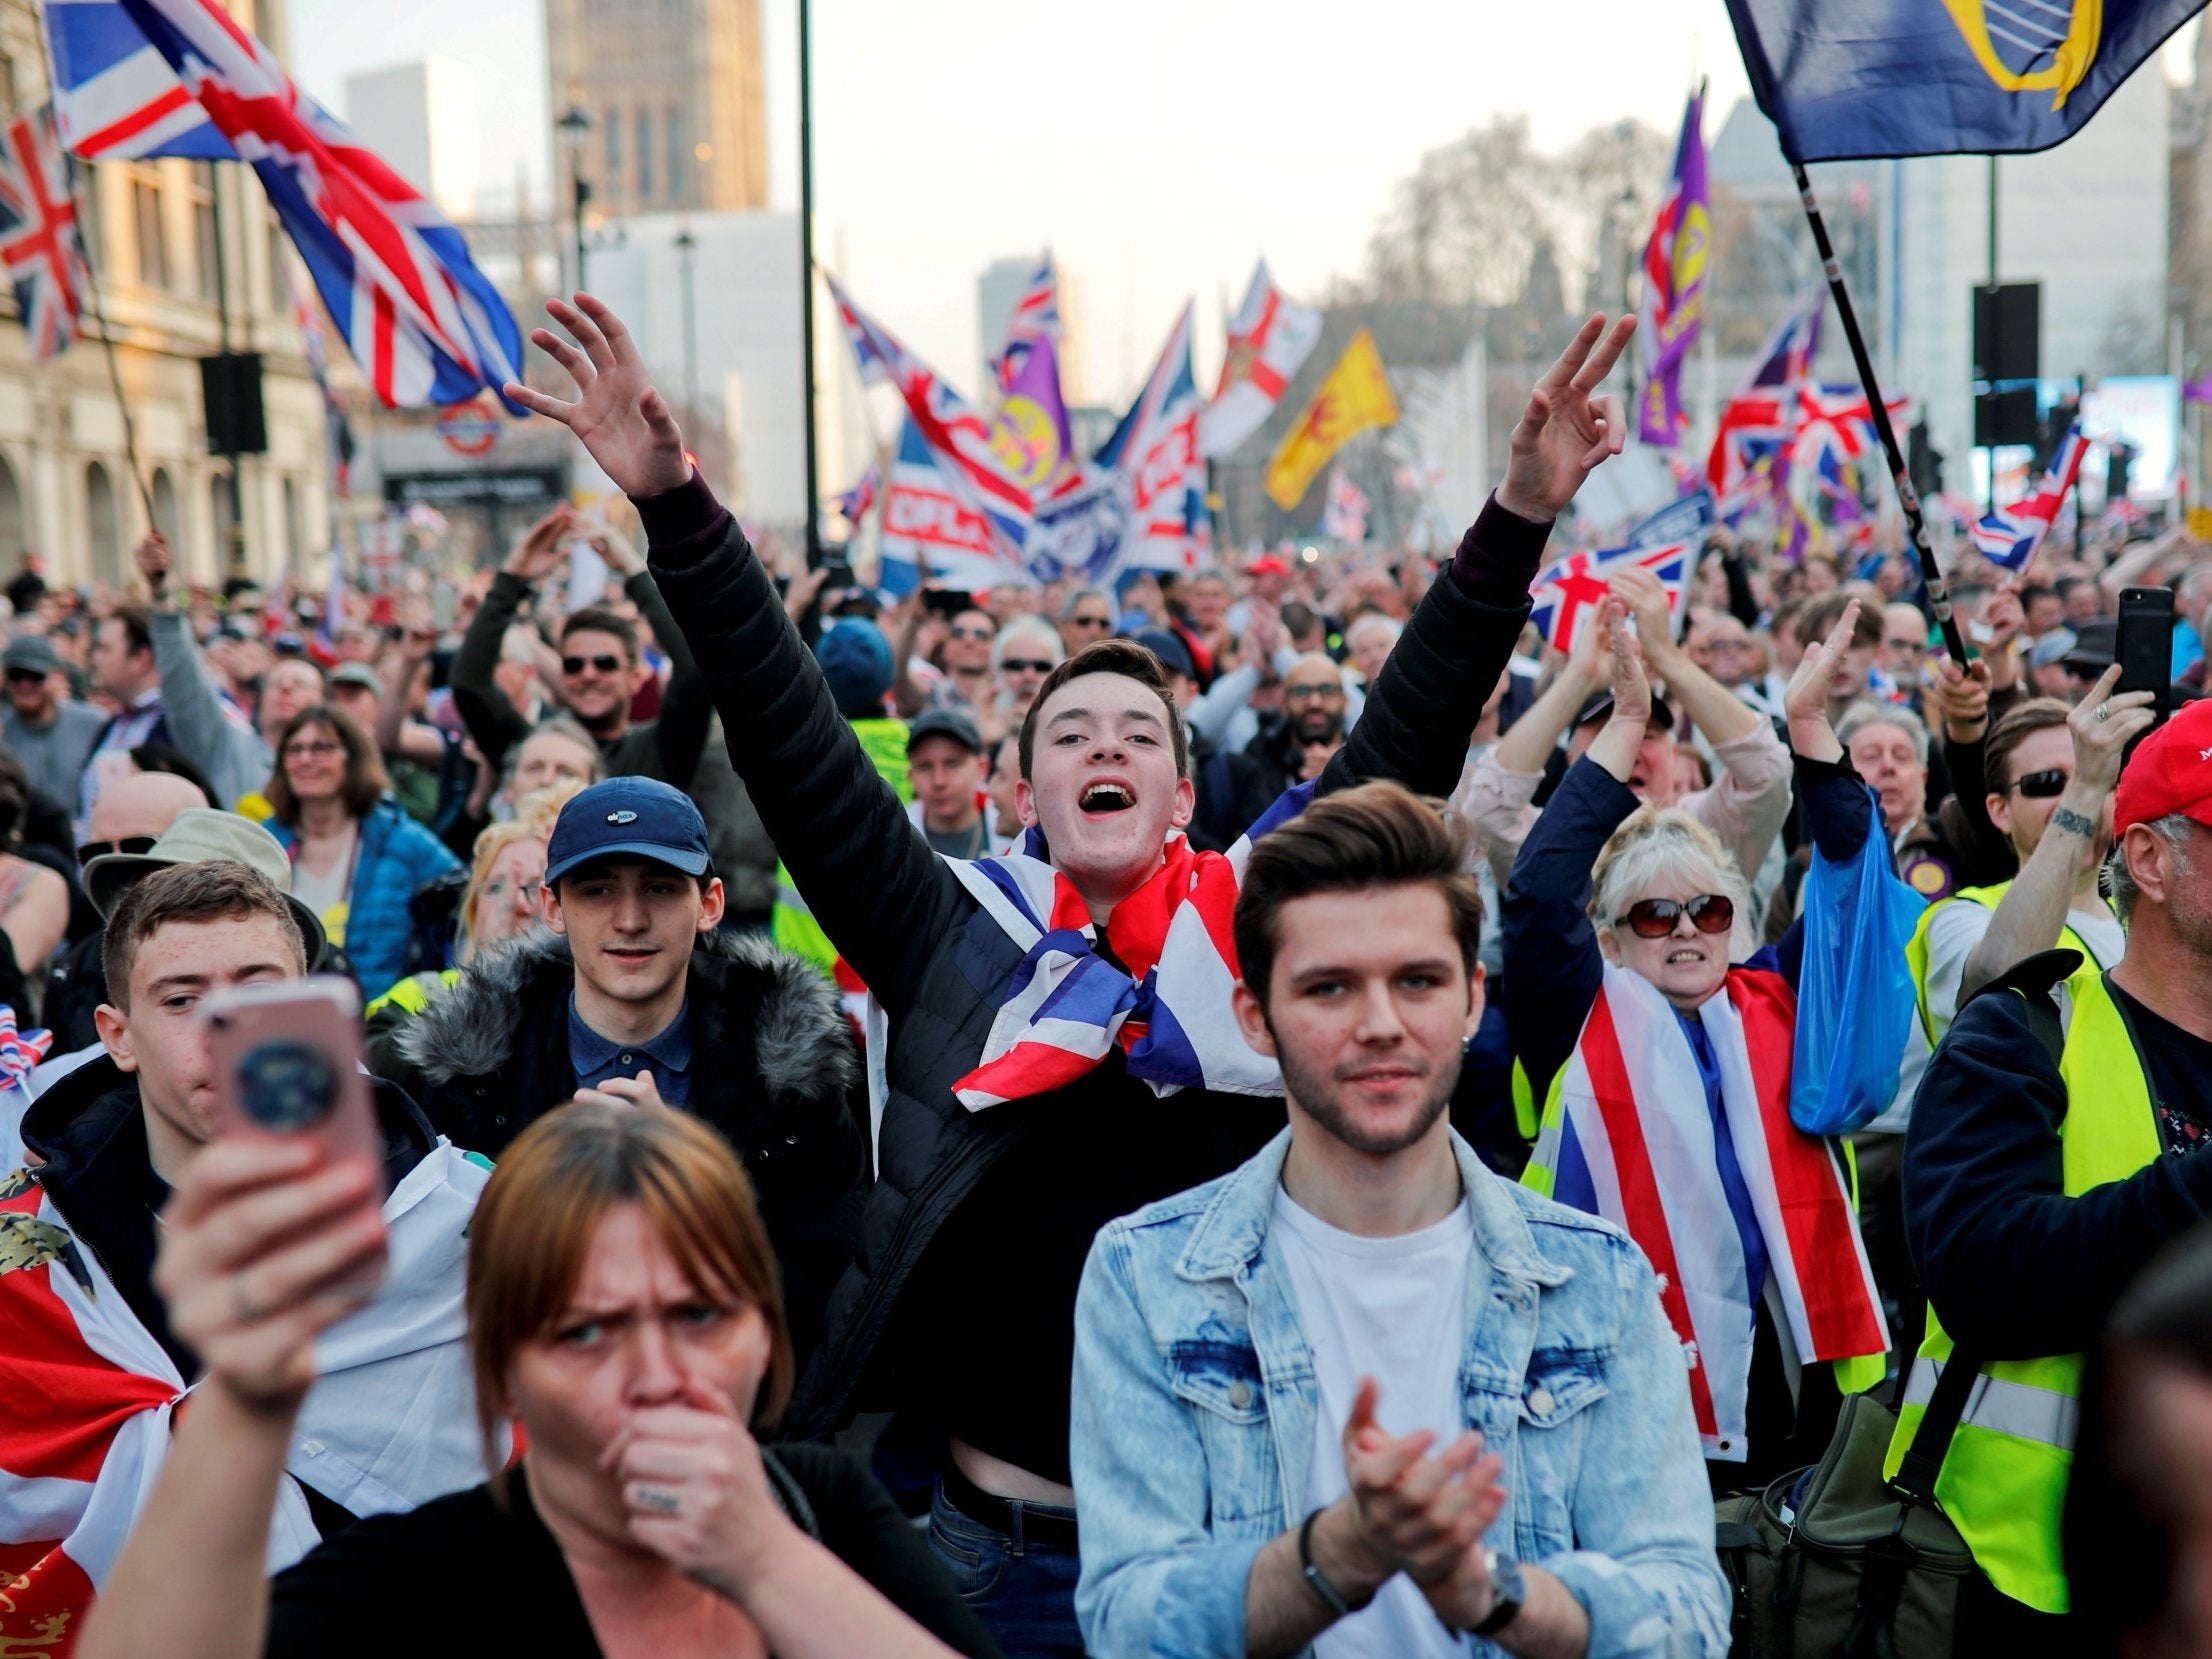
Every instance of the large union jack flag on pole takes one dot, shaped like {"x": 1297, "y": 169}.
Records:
{"x": 425, "y": 324}
{"x": 38, "y": 233}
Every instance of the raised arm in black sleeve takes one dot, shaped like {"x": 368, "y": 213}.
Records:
{"x": 686, "y": 708}
{"x": 866, "y": 873}
{"x": 1422, "y": 710}
{"x": 491, "y": 720}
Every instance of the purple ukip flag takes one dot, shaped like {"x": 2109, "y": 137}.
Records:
{"x": 1029, "y": 434}
{"x": 1675, "y": 262}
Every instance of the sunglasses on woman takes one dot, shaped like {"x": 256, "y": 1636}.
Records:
{"x": 2040, "y": 786}
{"x": 1655, "y": 918}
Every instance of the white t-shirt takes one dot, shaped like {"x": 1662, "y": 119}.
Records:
{"x": 1955, "y": 929}
{"x": 1394, "y": 1309}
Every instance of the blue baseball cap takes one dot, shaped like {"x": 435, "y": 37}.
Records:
{"x": 629, "y": 817}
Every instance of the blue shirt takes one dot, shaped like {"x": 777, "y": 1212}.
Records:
{"x": 667, "y": 1056}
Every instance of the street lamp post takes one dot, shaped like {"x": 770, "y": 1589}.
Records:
{"x": 574, "y": 124}
{"x": 687, "y": 245}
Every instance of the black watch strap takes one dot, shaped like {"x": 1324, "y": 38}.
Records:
{"x": 1331, "y": 1597}
{"x": 1510, "y": 1590}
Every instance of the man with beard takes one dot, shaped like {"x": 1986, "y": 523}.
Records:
{"x": 1290, "y": 749}
{"x": 1239, "y": 1347}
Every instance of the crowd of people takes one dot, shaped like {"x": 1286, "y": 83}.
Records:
{"x": 1240, "y": 1112}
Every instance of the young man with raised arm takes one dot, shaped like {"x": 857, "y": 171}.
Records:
{"x": 1000, "y": 1150}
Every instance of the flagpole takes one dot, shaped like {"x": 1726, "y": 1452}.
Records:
{"x": 806, "y": 282}
{"x": 71, "y": 168}
{"x": 1939, "y": 596}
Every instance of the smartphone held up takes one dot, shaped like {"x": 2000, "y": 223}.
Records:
{"x": 287, "y": 1057}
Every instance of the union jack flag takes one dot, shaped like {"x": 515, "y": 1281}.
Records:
{"x": 38, "y": 233}
{"x": 1036, "y": 317}
{"x": 1761, "y": 419}
{"x": 855, "y": 502}
{"x": 425, "y": 324}
{"x": 1838, "y": 421}
{"x": 958, "y": 435}
{"x": 1567, "y": 593}
{"x": 2011, "y": 535}
{"x": 20, "y": 1051}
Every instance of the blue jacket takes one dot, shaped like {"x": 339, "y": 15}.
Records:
{"x": 1194, "y": 1407}
{"x": 397, "y": 856}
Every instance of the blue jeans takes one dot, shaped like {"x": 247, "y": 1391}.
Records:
{"x": 1023, "y": 1591}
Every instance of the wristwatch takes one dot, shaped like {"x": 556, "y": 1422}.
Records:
{"x": 1331, "y": 1597}
{"x": 1509, "y": 1587}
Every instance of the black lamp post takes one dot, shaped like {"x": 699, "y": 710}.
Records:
{"x": 574, "y": 123}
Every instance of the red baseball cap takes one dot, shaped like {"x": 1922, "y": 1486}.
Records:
{"x": 1267, "y": 565}
{"x": 2170, "y": 771}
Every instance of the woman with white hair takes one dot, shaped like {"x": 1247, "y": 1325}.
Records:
{"x": 1662, "y": 1047}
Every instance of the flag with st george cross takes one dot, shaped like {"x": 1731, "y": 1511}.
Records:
{"x": 38, "y": 233}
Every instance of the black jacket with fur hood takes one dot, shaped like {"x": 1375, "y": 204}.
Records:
{"x": 774, "y": 1071}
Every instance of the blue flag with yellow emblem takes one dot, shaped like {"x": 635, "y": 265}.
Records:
{"x": 1848, "y": 79}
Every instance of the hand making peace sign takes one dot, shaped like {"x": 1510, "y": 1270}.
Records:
{"x": 1567, "y": 429}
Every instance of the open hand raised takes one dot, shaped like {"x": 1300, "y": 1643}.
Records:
{"x": 618, "y": 416}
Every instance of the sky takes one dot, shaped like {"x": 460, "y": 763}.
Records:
{"x": 1157, "y": 147}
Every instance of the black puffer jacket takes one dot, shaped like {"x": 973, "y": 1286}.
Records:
{"x": 774, "y": 1071}
{"x": 935, "y": 961}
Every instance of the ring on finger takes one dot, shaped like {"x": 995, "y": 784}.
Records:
{"x": 242, "y": 1303}
{"x": 2104, "y": 711}
{"x": 653, "y": 1498}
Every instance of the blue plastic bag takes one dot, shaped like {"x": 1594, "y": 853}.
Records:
{"x": 1854, "y": 989}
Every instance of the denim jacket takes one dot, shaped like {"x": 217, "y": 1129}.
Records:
{"x": 1194, "y": 1403}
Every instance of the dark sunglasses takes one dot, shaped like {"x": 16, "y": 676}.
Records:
{"x": 26, "y": 676}
{"x": 1655, "y": 918}
{"x": 1026, "y": 665}
{"x": 606, "y": 664}
{"x": 974, "y": 633}
{"x": 100, "y": 849}
{"x": 2040, "y": 786}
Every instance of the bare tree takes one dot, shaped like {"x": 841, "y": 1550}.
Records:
{"x": 1463, "y": 227}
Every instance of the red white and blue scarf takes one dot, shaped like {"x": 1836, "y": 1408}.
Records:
{"x": 1163, "y": 995}
{"x": 1629, "y": 1135}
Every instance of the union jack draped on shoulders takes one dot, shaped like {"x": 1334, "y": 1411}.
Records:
{"x": 38, "y": 233}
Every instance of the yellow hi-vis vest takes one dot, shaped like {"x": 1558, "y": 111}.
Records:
{"x": 2003, "y": 1483}
{"x": 1916, "y": 951}
{"x": 792, "y": 925}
